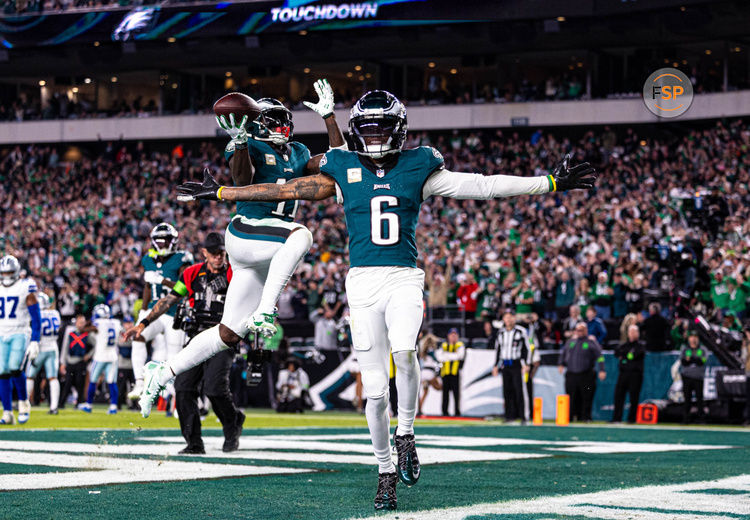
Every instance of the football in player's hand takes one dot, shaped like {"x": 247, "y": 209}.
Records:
{"x": 238, "y": 104}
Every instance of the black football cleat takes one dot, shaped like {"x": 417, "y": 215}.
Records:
{"x": 232, "y": 441}
{"x": 385, "y": 498}
{"x": 192, "y": 450}
{"x": 408, "y": 463}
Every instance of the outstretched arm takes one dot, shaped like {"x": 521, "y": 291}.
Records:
{"x": 314, "y": 187}
{"x": 324, "y": 107}
{"x": 474, "y": 186}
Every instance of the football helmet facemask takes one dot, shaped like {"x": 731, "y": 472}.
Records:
{"x": 10, "y": 270}
{"x": 274, "y": 124}
{"x": 164, "y": 238}
{"x": 377, "y": 124}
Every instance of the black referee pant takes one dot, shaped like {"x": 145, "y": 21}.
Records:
{"x": 75, "y": 377}
{"x": 580, "y": 386}
{"x": 215, "y": 375}
{"x": 451, "y": 385}
{"x": 692, "y": 386}
{"x": 628, "y": 382}
{"x": 513, "y": 390}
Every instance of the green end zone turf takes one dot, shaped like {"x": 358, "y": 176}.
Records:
{"x": 319, "y": 466}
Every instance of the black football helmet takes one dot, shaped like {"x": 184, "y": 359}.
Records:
{"x": 377, "y": 124}
{"x": 274, "y": 124}
{"x": 164, "y": 238}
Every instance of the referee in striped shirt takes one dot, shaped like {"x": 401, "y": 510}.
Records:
{"x": 511, "y": 351}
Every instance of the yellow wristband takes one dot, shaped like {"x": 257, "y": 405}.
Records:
{"x": 218, "y": 193}
{"x": 552, "y": 182}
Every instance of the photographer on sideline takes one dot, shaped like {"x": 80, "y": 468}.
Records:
{"x": 206, "y": 286}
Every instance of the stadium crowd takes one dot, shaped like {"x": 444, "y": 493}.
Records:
{"x": 540, "y": 256}
{"x": 437, "y": 89}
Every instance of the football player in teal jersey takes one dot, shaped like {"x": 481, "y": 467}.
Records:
{"x": 263, "y": 242}
{"x": 382, "y": 187}
{"x": 162, "y": 267}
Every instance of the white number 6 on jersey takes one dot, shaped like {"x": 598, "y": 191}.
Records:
{"x": 379, "y": 219}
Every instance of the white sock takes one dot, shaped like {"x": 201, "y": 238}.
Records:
{"x": 138, "y": 357}
{"x": 407, "y": 389}
{"x": 282, "y": 267}
{"x": 376, "y": 411}
{"x": 29, "y": 387}
{"x": 200, "y": 348}
{"x": 54, "y": 393}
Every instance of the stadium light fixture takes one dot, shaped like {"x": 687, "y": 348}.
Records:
{"x": 560, "y": 18}
{"x": 306, "y": 70}
{"x": 708, "y": 52}
{"x": 254, "y": 81}
{"x": 174, "y": 86}
{"x": 302, "y": 32}
{"x": 431, "y": 64}
{"x": 42, "y": 83}
{"x": 368, "y": 75}
{"x": 113, "y": 79}
{"x": 171, "y": 39}
{"x": 228, "y": 74}
{"x": 454, "y": 71}
{"x": 361, "y": 78}
{"x": 87, "y": 81}
{"x": 349, "y": 74}
{"x": 75, "y": 90}
{"x": 97, "y": 44}
{"x": 358, "y": 67}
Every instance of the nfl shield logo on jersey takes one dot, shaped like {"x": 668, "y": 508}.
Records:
{"x": 380, "y": 173}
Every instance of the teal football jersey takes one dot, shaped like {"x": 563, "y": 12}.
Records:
{"x": 382, "y": 205}
{"x": 273, "y": 167}
{"x": 169, "y": 269}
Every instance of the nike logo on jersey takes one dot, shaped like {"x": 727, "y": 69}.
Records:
{"x": 381, "y": 186}
{"x": 270, "y": 159}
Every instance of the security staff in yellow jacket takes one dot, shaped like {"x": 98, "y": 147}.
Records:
{"x": 451, "y": 354}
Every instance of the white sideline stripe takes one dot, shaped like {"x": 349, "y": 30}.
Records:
{"x": 110, "y": 470}
{"x": 634, "y": 447}
{"x": 614, "y": 504}
{"x": 426, "y": 455}
{"x": 249, "y": 450}
{"x": 312, "y": 443}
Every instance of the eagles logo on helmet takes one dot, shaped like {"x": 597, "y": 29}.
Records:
{"x": 10, "y": 270}
{"x": 377, "y": 124}
{"x": 164, "y": 238}
{"x": 274, "y": 124}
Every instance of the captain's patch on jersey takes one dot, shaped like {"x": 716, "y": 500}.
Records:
{"x": 270, "y": 159}
{"x": 353, "y": 175}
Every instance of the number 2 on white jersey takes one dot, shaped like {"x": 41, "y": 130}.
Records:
{"x": 382, "y": 236}
{"x": 280, "y": 208}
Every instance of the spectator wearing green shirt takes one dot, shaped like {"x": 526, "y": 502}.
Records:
{"x": 523, "y": 297}
{"x": 488, "y": 302}
{"x": 565, "y": 294}
{"x": 601, "y": 296}
{"x": 738, "y": 293}
{"x": 719, "y": 293}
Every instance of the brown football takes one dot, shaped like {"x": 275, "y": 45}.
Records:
{"x": 238, "y": 104}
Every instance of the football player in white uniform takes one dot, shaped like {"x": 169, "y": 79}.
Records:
{"x": 105, "y": 356}
{"x": 48, "y": 353}
{"x": 19, "y": 311}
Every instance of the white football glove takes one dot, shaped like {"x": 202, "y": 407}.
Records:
{"x": 236, "y": 131}
{"x": 325, "y": 103}
{"x": 32, "y": 350}
{"x": 152, "y": 277}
